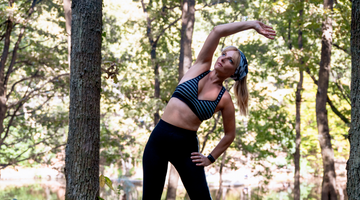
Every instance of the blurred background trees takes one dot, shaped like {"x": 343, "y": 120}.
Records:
{"x": 141, "y": 52}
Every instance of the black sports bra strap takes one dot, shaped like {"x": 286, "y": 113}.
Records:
{"x": 203, "y": 75}
{"x": 222, "y": 91}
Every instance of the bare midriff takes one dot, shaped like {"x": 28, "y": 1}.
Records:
{"x": 179, "y": 114}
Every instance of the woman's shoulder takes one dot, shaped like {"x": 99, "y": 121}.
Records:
{"x": 226, "y": 100}
{"x": 227, "y": 105}
{"x": 193, "y": 72}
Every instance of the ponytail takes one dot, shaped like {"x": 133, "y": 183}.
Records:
{"x": 242, "y": 96}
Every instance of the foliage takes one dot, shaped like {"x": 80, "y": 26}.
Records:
{"x": 269, "y": 129}
{"x": 30, "y": 192}
{"x": 127, "y": 98}
{"x": 36, "y": 81}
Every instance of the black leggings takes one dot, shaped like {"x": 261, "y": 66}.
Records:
{"x": 170, "y": 143}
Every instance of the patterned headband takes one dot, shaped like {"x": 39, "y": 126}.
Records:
{"x": 242, "y": 69}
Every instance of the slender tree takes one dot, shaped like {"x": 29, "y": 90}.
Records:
{"x": 298, "y": 114}
{"x": 82, "y": 150}
{"x": 219, "y": 193}
{"x": 185, "y": 61}
{"x": 153, "y": 35}
{"x": 329, "y": 177}
{"x": 353, "y": 169}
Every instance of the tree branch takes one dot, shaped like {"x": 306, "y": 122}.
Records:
{"x": 337, "y": 112}
{"x": 6, "y": 21}
{"x": 21, "y": 80}
{"x": 333, "y": 108}
{"x": 3, "y": 166}
{"x": 211, "y": 4}
{"x": 6, "y": 47}
{"x": 163, "y": 30}
{"x": 36, "y": 89}
{"x": 345, "y": 95}
{"x": 210, "y": 131}
{"x": 36, "y": 109}
{"x": 14, "y": 54}
{"x": 344, "y": 50}
{"x": 8, "y": 128}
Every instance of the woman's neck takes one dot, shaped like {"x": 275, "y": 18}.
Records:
{"x": 216, "y": 78}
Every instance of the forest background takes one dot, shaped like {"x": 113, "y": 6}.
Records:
{"x": 138, "y": 82}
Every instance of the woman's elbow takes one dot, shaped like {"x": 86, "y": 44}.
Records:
{"x": 230, "y": 137}
{"x": 217, "y": 30}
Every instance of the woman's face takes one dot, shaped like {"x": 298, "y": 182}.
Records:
{"x": 225, "y": 63}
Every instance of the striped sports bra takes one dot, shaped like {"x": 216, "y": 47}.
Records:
{"x": 188, "y": 93}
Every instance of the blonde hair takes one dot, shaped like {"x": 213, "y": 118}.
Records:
{"x": 242, "y": 96}
{"x": 240, "y": 87}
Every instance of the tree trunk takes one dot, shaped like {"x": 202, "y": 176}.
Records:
{"x": 329, "y": 177}
{"x": 185, "y": 61}
{"x": 220, "y": 191}
{"x": 3, "y": 100}
{"x": 157, "y": 81}
{"x": 82, "y": 149}
{"x": 187, "y": 29}
{"x": 298, "y": 114}
{"x": 353, "y": 164}
{"x": 298, "y": 138}
{"x": 172, "y": 183}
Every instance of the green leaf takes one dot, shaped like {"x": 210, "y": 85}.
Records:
{"x": 108, "y": 182}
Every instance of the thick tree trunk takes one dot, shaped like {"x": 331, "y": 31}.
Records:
{"x": 329, "y": 177}
{"x": 185, "y": 61}
{"x": 82, "y": 149}
{"x": 298, "y": 115}
{"x": 353, "y": 164}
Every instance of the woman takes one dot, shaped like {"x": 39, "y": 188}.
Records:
{"x": 197, "y": 97}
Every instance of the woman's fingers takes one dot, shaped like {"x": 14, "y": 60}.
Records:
{"x": 265, "y": 30}
{"x": 198, "y": 158}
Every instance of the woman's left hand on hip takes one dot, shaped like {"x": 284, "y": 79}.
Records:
{"x": 200, "y": 159}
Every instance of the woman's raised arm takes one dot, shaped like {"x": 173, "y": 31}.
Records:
{"x": 205, "y": 56}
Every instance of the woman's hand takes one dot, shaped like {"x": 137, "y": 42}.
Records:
{"x": 265, "y": 30}
{"x": 200, "y": 159}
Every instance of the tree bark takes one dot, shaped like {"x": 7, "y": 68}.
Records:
{"x": 353, "y": 164}
{"x": 82, "y": 150}
{"x": 329, "y": 177}
{"x": 185, "y": 61}
{"x": 298, "y": 113}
